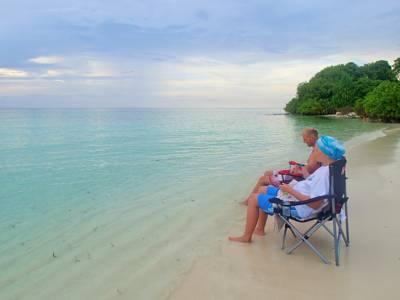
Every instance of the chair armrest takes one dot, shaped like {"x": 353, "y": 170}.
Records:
{"x": 295, "y": 203}
{"x": 275, "y": 200}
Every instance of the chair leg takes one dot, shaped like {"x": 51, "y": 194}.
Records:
{"x": 347, "y": 225}
{"x": 300, "y": 236}
{"x": 339, "y": 239}
{"x": 335, "y": 240}
{"x": 291, "y": 230}
{"x": 342, "y": 234}
{"x": 284, "y": 237}
{"x": 327, "y": 229}
{"x": 306, "y": 235}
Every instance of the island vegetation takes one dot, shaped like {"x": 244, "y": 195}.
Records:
{"x": 371, "y": 91}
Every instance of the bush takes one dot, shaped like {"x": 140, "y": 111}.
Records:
{"x": 384, "y": 102}
{"x": 379, "y": 70}
{"x": 311, "y": 107}
{"x": 291, "y": 106}
{"x": 336, "y": 88}
{"x": 359, "y": 108}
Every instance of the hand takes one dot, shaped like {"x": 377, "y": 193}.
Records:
{"x": 285, "y": 188}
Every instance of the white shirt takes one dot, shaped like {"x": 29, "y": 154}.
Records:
{"x": 317, "y": 184}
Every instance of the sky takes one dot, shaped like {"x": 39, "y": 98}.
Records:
{"x": 183, "y": 53}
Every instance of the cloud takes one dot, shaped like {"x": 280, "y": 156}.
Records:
{"x": 53, "y": 73}
{"x": 46, "y": 60}
{"x": 82, "y": 67}
{"x": 13, "y": 73}
{"x": 96, "y": 68}
{"x": 247, "y": 79}
{"x": 261, "y": 83}
{"x": 186, "y": 53}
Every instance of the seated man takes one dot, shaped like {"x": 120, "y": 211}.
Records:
{"x": 327, "y": 151}
{"x": 310, "y": 137}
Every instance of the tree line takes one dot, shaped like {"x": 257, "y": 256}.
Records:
{"x": 371, "y": 90}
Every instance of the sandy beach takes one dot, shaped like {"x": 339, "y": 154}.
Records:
{"x": 370, "y": 267}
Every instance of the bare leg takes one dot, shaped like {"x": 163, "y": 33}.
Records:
{"x": 262, "y": 217}
{"x": 251, "y": 221}
{"x": 262, "y": 190}
{"x": 268, "y": 173}
{"x": 262, "y": 220}
{"x": 262, "y": 181}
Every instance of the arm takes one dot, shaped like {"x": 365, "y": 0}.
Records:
{"x": 311, "y": 167}
{"x": 289, "y": 189}
{"x": 312, "y": 164}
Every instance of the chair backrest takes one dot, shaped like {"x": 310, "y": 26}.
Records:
{"x": 337, "y": 181}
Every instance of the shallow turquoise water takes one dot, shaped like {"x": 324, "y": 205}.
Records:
{"x": 78, "y": 183}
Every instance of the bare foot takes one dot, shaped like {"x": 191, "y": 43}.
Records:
{"x": 260, "y": 232}
{"x": 241, "y": 239}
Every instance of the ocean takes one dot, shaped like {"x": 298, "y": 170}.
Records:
{"x": 106, "y": 203}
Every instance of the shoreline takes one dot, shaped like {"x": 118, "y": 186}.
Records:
{"x": 351, "y": 115}
{"x": 261, "y": 268}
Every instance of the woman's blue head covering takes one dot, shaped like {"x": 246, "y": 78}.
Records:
{"x": 331, "y": 147}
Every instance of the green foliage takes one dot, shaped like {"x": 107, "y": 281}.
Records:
{"x": 291, "y": 106}
{"x": 379, "y": 70}
{"x": 343, "y": 88}
{"x": 359, "y": 107}
{"x": 311, "y": 107}
{"x": 365, "y": 85}
{"x": 384, "y": 102}
{"x": 396, "y": 68}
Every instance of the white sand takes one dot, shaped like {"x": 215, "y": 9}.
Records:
{"x": 370, "y": 267}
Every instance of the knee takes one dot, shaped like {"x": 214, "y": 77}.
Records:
{"x": 268, "y": 173}
{"x": 262, "y": 189}
{"x": 253, "y": 201}
{"x": 261, "y": 180}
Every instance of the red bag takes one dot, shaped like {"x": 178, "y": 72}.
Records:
{"x": 287, "y": 172}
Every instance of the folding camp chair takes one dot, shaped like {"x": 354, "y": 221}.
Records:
{"x": 337, "y": 199}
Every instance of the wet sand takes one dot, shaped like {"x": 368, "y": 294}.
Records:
{"x": 369, "y": 268}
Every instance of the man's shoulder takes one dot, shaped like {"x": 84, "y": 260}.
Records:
{"x": 313, "y": 150}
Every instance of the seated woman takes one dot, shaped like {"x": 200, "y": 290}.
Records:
{"x": 327, "y": 151}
